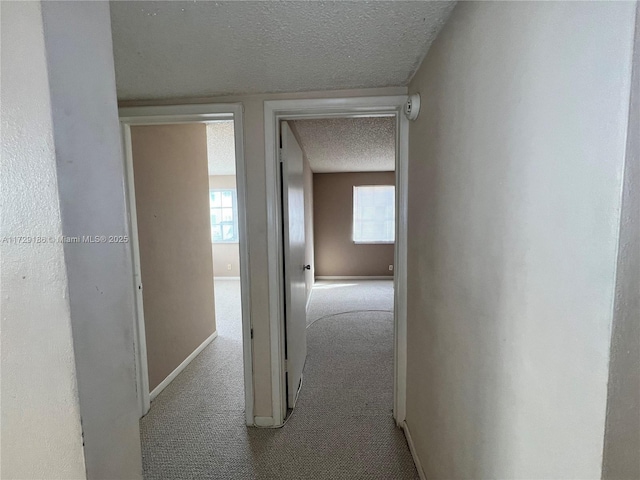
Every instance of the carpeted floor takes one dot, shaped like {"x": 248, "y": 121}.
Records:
{"x": 329, "y": 298}
{"x": 342, "y": 426}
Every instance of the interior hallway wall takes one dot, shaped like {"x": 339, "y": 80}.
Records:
{"x": 174, "y": 230}
{"x": 225, "y": 254}
{"x": 257, "y": 216}
{"x": 335, "y": 252}
{"x": 41, "y": 429}
{"x": 622, "y": 441}
{"x": 515, "y": 175}
{"x": 90, "y": 171}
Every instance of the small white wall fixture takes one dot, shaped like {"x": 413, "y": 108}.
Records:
{"x": 276, "y": 111}
{"x": 159, "y": 115}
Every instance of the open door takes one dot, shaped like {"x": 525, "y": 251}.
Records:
{"x": 291, "y": 168}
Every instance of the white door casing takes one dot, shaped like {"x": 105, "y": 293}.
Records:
{"x": 291, "y": 158}
{"x": 172, "y": 114}
{"x": 276, "y": 111}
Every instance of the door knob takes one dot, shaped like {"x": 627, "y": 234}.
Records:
{"x": 306, "y": 267}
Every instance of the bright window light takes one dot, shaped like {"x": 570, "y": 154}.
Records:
{"x": 224, "y": 216}
{"x": 374, "y": 214}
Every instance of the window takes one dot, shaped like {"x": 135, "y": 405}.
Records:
{"x": 224, "y": 216}
{"x": 374, "y": 214}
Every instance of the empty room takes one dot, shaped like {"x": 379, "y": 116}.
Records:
{"x": 183, "y": 185}
{"x": 350, "y": 206}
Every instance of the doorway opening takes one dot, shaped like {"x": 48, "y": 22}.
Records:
{"x": 187, "y": 191}
{"x": 223, "y": 209}
{"x": 285, "y": 193}
{"x": 338, "y": 196}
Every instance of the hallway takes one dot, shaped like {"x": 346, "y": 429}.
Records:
{"x": 342, "y": 426}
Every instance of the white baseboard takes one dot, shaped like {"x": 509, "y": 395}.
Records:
{"x": 412, "y": 449}
{"x": 263, "y": 421}
{"x": 181, "y": 367}
{"x": 331, "y": 277}
{"x": 226, "y": 278}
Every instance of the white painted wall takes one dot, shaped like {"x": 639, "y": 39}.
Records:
{"x": 515, "y": 177}
{"x": 622, "y": 439}
{"x": 92, "y": 201}
{"x": 41, "y": 431}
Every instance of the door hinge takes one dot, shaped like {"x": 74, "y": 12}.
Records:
{"x": 280, "y": 155}
{"x": 252, "y": 333}
{"x": 286, "y": 365}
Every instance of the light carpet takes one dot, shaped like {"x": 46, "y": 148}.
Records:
{"x": 342, "y": 426}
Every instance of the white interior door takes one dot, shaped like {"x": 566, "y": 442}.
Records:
{"x": 294, "y": 267}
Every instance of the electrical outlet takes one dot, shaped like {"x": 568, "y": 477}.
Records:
{"x": 228, "y": 266}
{"x": 391, "y": 268}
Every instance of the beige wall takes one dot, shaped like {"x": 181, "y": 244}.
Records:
{"x": 622, "y": 441}
{"x": 515, "y": 175}
{"x": 257, "y": 217}
{"x": 222, "y": 181}
{"x": 226, "y": 259}
{"x": 225, "y": 254}
{"x": 172, "y": 202}
{"x": 335, "y": 252}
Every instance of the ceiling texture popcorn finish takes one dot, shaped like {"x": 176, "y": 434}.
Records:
{"x": 348, "y": 144}
{"x": 221, "y": 150}
{"x": 206, "y": 48}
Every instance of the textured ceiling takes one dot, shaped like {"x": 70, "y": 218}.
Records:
{"x": 221, "y": 148}
{"x": 200, "y": 48}
{"x": 348, "y": 144}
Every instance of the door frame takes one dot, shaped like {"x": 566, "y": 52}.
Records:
{"x": 162, "y": 115}
{"x": 276, "y": 111}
